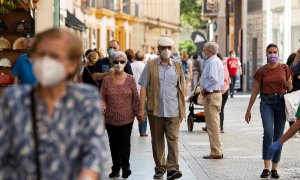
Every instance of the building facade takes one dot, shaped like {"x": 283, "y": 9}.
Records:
{"x": 157, "y": 18}
{"x": 269, "y": 21}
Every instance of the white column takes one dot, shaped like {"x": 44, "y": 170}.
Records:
{"x": 244, "y": 41}
{"x": 44, "y": 15}
{"x": 287, "y": 30}
{"x": 269, "y": 22}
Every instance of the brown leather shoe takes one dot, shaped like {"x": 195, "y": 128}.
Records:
{"x": 213, "y": 157}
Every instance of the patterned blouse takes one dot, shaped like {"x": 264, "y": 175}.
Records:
{"x": 73, "y": 139}
{"x": 122, "y": 101}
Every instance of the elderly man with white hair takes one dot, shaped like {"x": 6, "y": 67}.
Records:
{"x": 120, "y": 104}
{"x": 212, "y": 82}
{"x": 162, "y": 82}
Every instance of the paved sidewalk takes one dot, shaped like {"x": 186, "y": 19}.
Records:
{"x": 242, "y": 144}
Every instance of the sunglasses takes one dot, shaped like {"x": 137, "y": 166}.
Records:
{"x": 117, "y": 62}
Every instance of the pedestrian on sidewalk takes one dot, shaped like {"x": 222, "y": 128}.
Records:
{"x": 235, "y": 69}
{"x": 120, "y": 102}
{"x": 54, "y": 130}
{"x": 104, "y": 67}
{"x": 87, "y": 76}
{"x": 137, "y": 68}
{"x": 212, "y": 82}
{"x": 294, "y": 63}
{"x": 196, "y": 70}
{"x": 272, "y": 80}
{"x": 130, "y": 55}
{"x": 224, "y": 92}
{"x": 187, "y": 70}
{"x": 162, "y": 82}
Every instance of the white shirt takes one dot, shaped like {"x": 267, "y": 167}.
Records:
{"x": 150, "y": 56}
{"x": 137, "y": 69}
{"x": 213, "y": 74}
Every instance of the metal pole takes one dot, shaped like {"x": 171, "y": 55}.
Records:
{"x": 56, "y": 13}
{"x": 244, "y": 41}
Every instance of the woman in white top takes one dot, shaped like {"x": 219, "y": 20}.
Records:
{"x": 137, "y": 68}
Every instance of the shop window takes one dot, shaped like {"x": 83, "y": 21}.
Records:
{"x": 126, "y": 7}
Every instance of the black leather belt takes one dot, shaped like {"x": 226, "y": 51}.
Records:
{"x": 214, "y": 91}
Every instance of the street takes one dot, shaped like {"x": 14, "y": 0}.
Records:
{"x": 242, "y": 144}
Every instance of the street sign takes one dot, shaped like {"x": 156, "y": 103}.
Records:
{"x": 199, "y": 39}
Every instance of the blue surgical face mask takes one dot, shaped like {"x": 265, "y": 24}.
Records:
{"x": 204, "y": 56}
{"x": 111, "y": 52}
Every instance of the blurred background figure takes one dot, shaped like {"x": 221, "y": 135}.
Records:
{"x": 87, "y": 76}
{"x": 130, "y": 55}
{"x": 137, "y": 68}
{"x": 224, "y": 92}
{"x": 22, "y": 70}
{"x": 235, "y": 69}
{"x": 196, "y": 71}
{"x": 294, "y": 63}
{"x": 120, "y": 102}
{"x": 187, "y": 70}
{"x": 151, "y": 54}
{"x": 175, "y": 56}
{"x": 59, "y": 120}
{"x": 104, "y": 67}
{"x": 100, "y": 53}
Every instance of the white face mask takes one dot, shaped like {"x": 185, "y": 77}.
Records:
{"x": 48, "y": 71}
{"x": 166, "y": 53}
{"x": 119, "y": 67}
{"x": 233, "y": 55}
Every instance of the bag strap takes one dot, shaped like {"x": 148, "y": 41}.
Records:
{"x": 262, "y": 78}
{"x": 35, "y": 136}
{"x": 91, "y": 75}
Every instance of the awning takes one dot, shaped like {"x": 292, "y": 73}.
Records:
{"x": 74, "y": 23}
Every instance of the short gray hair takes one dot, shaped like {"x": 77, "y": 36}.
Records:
{"x": 118, "y": 54}
{"x": 212, "y": 47}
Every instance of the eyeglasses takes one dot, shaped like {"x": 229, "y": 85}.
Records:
{"x": 117, "y": 62}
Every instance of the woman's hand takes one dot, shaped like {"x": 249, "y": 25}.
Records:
{"x": 141, "y": 116}
{"x": 87, "y": 174}
{"x": 289, "y": 84}
{"x": 248, "y": 116}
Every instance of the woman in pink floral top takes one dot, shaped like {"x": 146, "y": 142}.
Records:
{"x": 120, "y": 103}
{"x": 224, "y": 92}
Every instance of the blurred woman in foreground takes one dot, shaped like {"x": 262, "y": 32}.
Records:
{"x": 54, "y": 130}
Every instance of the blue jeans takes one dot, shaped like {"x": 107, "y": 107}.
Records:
{"x": 143, "y": 126}
{"x": 272, "y": 110}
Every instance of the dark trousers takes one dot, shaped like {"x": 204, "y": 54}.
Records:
{"x": 119, "y": 142}
{"x": 224, "y": 100}
{"x": 232, "y": 84}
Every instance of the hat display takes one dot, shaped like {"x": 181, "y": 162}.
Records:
{"x": 4, "y": 62}
{"x": 6, "y": 79}
{"x": 4, "y": 43}
{"x": 19, "y": 43}
{"x": 24, "y": 26}
{"x": 3, "y": 26}
{"x": 165, "y": 41}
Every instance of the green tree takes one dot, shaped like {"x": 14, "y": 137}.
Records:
{"x": 189, "y": 46}
{"x": 190, "y": 13}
